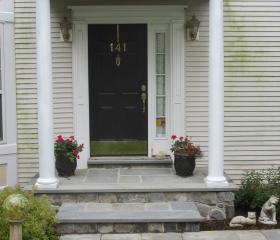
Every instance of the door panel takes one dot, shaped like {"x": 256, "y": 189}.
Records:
{"x": 116, "y": 108}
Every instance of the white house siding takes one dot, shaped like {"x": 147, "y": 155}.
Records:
{"x": 196, "y": 74}
{"x": 251, "y": 85}
{"x": 26, "y": 89}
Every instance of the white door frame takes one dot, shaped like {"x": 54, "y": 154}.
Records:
{"x": 170, "y": 18}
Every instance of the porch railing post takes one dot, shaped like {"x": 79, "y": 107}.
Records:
{"x": 47, "y": 177}
{"x": 216, "y": 95}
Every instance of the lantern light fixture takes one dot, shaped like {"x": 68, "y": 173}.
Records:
{"x": 192, "y": 27}
{"x": 66, "y": 27}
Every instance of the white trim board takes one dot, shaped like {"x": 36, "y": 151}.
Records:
{"x": 158, "y": 18}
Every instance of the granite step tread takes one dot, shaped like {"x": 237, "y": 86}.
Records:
{"x": 129, "y": 212}
{"x": 129, "y": 161}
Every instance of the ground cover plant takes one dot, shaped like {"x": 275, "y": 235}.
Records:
{"x": 40, "y": 220}
{"x": 256, "y": 188}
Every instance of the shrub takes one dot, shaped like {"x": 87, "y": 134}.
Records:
{"x": 40, "y": 219}
{"x": 256, "y": 188}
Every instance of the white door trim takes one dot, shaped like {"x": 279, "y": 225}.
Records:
{"x": 156, "y": 17}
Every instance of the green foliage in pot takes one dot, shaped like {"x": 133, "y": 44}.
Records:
{"x": 184, "y": 146}
{"x": 256, "y": 188}
{"x": 39, "y": 220}
{"x": 68, "y": 147}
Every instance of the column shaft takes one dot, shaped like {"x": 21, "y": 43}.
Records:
{"x": 216, "y": 95}
{"x": 47, "y": 177}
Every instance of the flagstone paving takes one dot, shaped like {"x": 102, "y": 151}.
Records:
{"x": 207, "y": 235}
{"x": 135, "y": 179}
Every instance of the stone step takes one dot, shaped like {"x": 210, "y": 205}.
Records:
{"x": 129, "y": 162}
{"x": 128, "y": 217}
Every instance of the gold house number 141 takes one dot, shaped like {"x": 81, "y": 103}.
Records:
{"x": 118, "y": 47}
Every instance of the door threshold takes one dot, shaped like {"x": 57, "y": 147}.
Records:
{"x": 120, "y": 158}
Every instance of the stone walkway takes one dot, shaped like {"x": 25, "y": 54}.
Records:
{"x": 213, "y": 235}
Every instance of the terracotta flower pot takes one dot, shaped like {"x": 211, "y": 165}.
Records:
{"x": 64, "y": 166}
{"x": 184, "y": 165}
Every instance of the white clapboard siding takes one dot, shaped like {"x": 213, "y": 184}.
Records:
{"x": 252, "y": 93}
{"x": 26, "y": 89}
{"x": 252, "y": 85}
{"x": 196, "y": 86}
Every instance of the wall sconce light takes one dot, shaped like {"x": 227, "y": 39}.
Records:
{"x": 66, "y": 27}
{"x": 193, "y": 28}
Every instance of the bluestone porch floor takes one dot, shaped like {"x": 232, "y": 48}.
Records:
{"x": 136, "y": 180}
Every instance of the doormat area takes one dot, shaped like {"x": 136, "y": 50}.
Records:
{"x": 118, "y": 148}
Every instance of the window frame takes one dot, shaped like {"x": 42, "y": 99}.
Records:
{"x": 2, "y": 90}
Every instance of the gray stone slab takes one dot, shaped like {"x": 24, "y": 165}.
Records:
{"x": 146, "y": 171}
{"x": 212, "y": 235}
{"x": 161, "y": 236}
{"x": 132, "y": 207}
{"x": 271, "y": 234}
{"x": 121, "y": 237}
{"x": 81, "y": 237}
{"x": 102, "y": 172}
{"x": 157, "y": 206}
{"x": 183, "y": 206}
{"x": 245, "y": 235}
{"x": 158, "y": 180}
{"x": 104, "y": 180}
{"x": 126, "y": 213}
{"x": 129, "y": 179}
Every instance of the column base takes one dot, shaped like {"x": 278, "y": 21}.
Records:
{"x": 216, "y": 181}
{"x": 47, "y": 183}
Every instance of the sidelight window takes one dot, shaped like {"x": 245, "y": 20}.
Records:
{"x": 160, "y": 59}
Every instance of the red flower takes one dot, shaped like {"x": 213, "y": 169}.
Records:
{"x": 71, "y": 137}
{"x": 181, "y": 138}
{"x": 173, "y": 137}
{"x": 59, "y": 139}
{"x": 76, "y": 152}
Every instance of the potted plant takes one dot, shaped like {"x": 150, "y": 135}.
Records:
{"x": 185, "y": 153}
{"x": 66, "y": 155}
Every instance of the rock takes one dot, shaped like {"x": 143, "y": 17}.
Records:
{"x": 155, "y": 228}
{"x": 230, "y": 211}
{"x": 105, "y": 228}
{"x": 225, "y": 196}
{"x": 203, "y": 209}
{"x": 217, "y": 214}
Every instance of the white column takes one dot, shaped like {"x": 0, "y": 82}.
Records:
{"x": 216, "y": 95}
{"x": 47, "y": 177}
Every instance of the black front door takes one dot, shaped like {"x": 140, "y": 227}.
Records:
{"x": 118, "y": 89}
